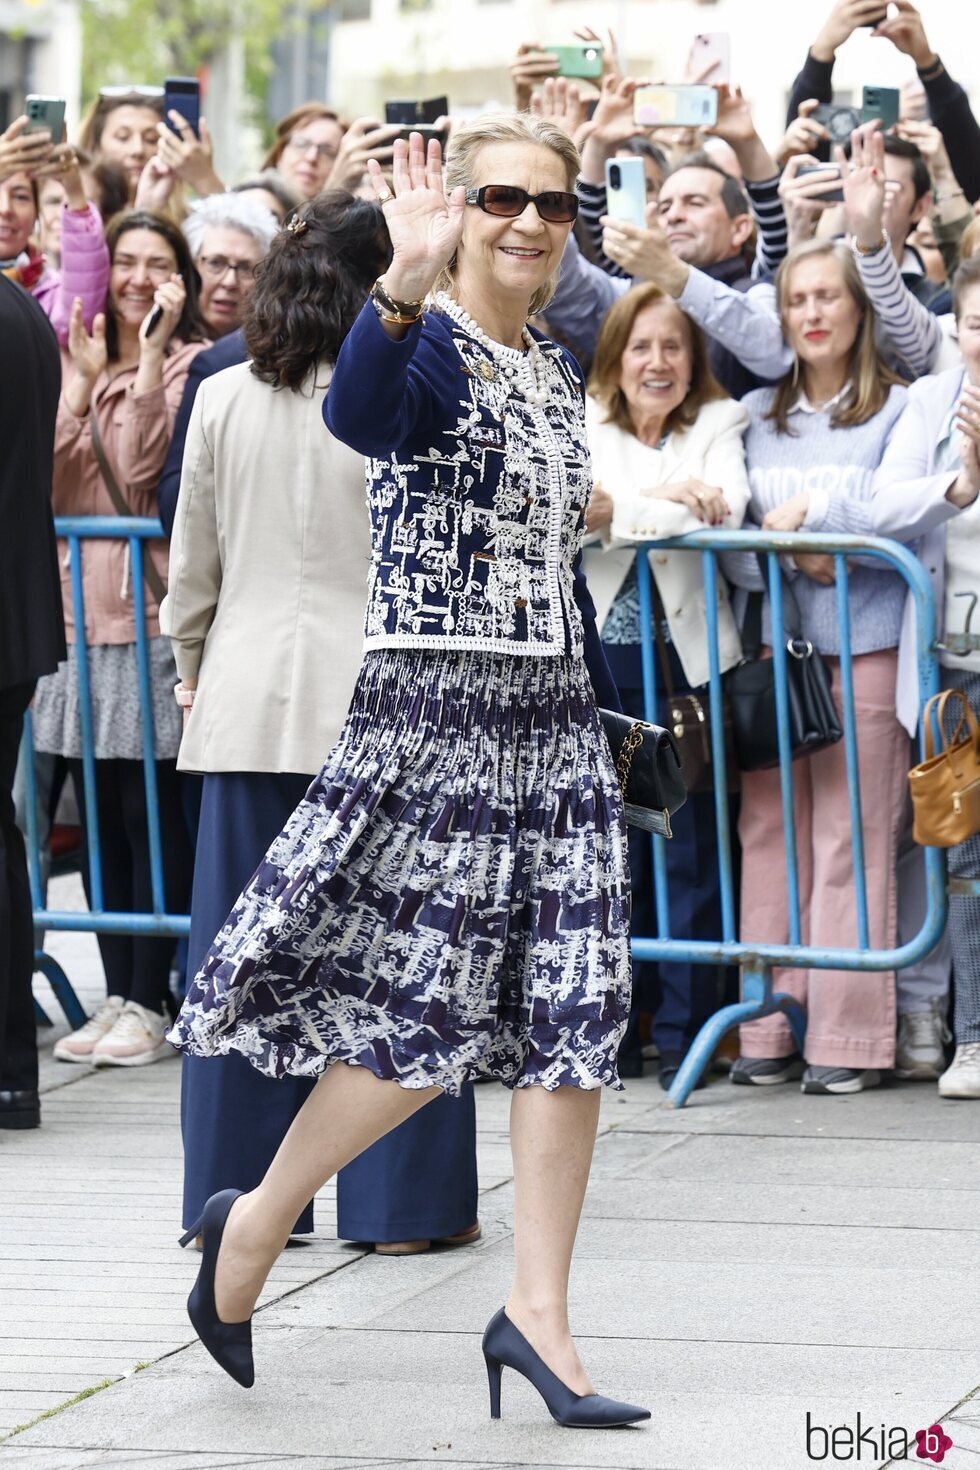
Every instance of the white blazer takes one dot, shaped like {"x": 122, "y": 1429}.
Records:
{"x": 268, "y": 576}
{"x": 712, "y": 451}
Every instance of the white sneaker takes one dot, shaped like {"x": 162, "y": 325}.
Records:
{"x": 135, "y": 1040}
{"x": 79, "y": 1045}
{"x": 920, "y": 1054}
{"x": 963, "y": 1077}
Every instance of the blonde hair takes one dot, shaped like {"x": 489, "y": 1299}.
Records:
{"x": 871, "y": 377}
{"x": 970, "y": 239}
{"x": 506, "y": 127}
{"x": 607, "y": 364}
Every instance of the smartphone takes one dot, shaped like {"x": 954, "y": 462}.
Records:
{"x": 156, "y": 315}
{"x": 427, "y": 132}
{"x": 413, "y": 113}
{"x": 883, "y": 102}
{"x": 583, "y": 62}
{"x": 712, "y": 58}
{"x": 840, "y": 122}
{"x": 183, "y": 95}
{"x": 870, "y": 24}
{"x": 45, "y": 113}
{"x": 685, "y": 107}
{"x": 828, "y": 171}
{"x": 626, "y": 190}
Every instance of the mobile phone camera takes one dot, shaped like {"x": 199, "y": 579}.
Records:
{"x": 615, "y": 176}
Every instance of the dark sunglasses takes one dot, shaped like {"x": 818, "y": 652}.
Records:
{"x": 554, "y": 205}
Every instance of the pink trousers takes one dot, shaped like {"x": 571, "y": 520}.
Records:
{"x": 850, "y": 1014}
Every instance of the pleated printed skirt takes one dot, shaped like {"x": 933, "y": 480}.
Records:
{"x": 451, "y": 897}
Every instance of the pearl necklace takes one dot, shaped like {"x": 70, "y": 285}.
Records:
{"x": 524, "y": 374}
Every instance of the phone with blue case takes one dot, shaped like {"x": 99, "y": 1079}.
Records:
{"x": 626, "y": 190}
{"x": 183, "y": 95}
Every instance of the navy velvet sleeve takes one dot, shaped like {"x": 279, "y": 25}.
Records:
{"x": 603, "y": 684}
{"x": 382, "y": 391}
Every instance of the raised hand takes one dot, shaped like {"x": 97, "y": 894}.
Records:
{"x": 22, "y": 152}
{"x": 88, "y": 353}
{"x": 366, "y": 138}
{"x": 156, "y": 184}
{"x": 188, "y": 157}
{"x": 803, "y": 133}
{"x": 966, "y": 487}
{"x": 530, "y": 66}
{"x": 907, "y": 33}
{"x": 805, "y": 199}
{"x": 561, "y": 102}
{"x": 170, "y": 297}
{"x": 644, "y": 253}
{"x": 424, "y": 226}
{"x": 864, "y": 184}
{"x": 843, "y": 20}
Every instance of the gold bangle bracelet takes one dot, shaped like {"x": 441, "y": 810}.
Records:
{"x": 393, "y": 316}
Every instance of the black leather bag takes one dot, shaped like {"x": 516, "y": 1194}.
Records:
{"x": 751, "y": 686}
{"x": 649, "y": 769}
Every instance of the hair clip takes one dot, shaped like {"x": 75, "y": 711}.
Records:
{"x": 296, "y": 225}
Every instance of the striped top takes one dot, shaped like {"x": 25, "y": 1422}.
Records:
{"x": 914, "y": 333}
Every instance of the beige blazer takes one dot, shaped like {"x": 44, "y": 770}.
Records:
{"x": 268, "y": 576}
{"x": 710, "y": 450}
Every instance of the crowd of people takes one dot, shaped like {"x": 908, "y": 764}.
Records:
{"x": 770, "y": 347}
{"x": 415, "y": 860}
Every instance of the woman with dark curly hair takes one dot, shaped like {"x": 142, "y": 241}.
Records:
{"x": 266, "y": 634}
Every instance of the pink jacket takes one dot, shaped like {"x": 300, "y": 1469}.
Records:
{"x": 136, "y": 430}
{"x": 84, "y": 271}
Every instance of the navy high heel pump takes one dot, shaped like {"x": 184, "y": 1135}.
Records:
{"x": 504, "y": 1345}
{"x": 229, "y": 1343}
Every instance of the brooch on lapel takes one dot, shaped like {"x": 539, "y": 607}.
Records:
{"x": 488, "y": 373}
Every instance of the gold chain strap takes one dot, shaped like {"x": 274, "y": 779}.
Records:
{"x": 629, "y": 747}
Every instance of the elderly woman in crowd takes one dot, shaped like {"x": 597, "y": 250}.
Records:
{"x": 269, "y": 558}
{"x": 451, "y": 897}
{"x": 122, "y": 386}
{"x": 668, "y": 457}
{"x": 228, "y": 236}
{"x": 927, "y": 490}
{"x": 824, "y": 428}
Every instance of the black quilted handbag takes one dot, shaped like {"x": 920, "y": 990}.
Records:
{"x": 649, "y": 769}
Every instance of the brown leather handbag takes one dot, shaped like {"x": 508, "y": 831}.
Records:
{"x": 946, "y": 786}
{"x": 690, "y": 722}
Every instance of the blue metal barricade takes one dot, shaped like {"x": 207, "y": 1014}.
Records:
{"x": 76, "y": 530}
{"x": 757, "y": 961}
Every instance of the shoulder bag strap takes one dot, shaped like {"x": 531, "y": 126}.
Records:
{"x": 151, "y": 576}
{"x": 792, "y": 619}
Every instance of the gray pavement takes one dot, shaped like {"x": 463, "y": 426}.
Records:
{"x": 750, "y": 1261}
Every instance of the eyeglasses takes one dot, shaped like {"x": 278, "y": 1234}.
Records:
{"x": 554, "y": 205}
{"x": 131, "y": 91}
{"x": 302, "y": 144}
{"x": 217, "y": 266}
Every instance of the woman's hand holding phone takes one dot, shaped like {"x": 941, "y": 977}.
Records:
{"x": 161, "y": 321}
{"x": 23, "y": 153}
{"x": 188, "y": 156}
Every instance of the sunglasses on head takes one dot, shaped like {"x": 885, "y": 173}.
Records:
{"x": 555, "y": 205}
{"x": 136, "y": 90}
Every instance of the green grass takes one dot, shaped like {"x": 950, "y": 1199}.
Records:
{"x": 86, "y": 1393}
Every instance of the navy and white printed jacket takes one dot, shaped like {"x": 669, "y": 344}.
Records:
{"x": 476, "y": 497}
